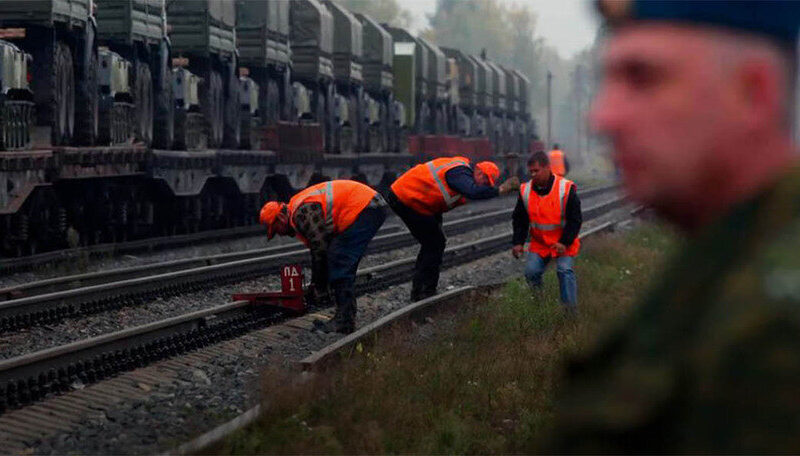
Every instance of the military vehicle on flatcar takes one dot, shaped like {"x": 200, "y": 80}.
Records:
{"x": 126, "y": 119}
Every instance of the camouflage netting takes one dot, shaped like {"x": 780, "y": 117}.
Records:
{"x": 312, "y": 26}
{"x": 221, "y": 11}
{"x": 347, "y": 32}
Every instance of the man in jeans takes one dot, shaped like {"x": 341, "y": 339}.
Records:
{"x": 336, "y": 220}
{"x": 548, "y": 207}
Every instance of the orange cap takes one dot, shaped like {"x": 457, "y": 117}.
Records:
{"x": 490, "y": 169}
{"x": 268, "y": 214}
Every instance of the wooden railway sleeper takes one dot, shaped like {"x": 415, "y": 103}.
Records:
{"x": 25, "y": 391}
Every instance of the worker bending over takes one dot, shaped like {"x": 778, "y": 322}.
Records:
{"x": 424, "y": 193}
{"x": 336, "y": 220}
{"x": 548, "y": 207}
{"x": 558, "y": 161}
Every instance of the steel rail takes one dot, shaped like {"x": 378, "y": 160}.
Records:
{"x": 30, "y": 377}
{"x": 55, "y": 299}
{"x": 62, "y": 283}
{"x": 18, "y": 264}
{"x": 97, "y": 292}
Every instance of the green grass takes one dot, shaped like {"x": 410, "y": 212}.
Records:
{"x": 484, "y": 383}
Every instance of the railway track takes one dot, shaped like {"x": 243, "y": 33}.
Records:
{"x": 53, "y": 300}
{"x": 32, "y": 262}
{"x": 28, "y": 378}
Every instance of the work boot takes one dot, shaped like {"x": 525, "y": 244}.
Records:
{"x": 335, "y": 324}
{"x": 344, "y": 319}
{"x": 416, "y": 295}
{"x": 422, "y": 290}
{"x": 570, "y": 311}
{"x": 416, "y": 289}
{"x": 419, "y": 295}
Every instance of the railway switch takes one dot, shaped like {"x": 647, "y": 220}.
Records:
{"x": 290, "y": 297}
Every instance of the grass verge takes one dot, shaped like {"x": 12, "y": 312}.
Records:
{"x": 482, "y": 380}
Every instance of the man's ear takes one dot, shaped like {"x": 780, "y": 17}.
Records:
{"x": 758, "y": 85}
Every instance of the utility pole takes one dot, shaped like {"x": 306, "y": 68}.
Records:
{"x": 549, "y": 110}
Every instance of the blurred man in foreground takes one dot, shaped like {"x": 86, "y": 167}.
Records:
{"x": 697, "y": 101}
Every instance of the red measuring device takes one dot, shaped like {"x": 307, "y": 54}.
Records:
{"x": 291, "y": 294}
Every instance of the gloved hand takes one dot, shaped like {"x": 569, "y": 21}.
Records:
{"x": 510, "y": 185}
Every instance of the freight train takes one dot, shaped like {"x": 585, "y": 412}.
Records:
{"x": 123, "y": 119}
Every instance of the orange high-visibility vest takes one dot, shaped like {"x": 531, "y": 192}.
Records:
{"x": 341, "y": 200}
{"x": 557, "y": 162}
{"x": 424, "y": 188}
{"x": 547, "y": 215}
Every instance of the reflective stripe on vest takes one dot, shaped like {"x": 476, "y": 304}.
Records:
{"x": 526, "y": 197}
{"x": 449, "y": 200}
{"x": 327, "y": 190}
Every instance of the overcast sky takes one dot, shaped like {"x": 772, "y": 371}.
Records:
{"x": 568, "y": 25}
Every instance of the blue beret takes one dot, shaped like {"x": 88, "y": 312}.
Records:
{"x": 773, "y": 18}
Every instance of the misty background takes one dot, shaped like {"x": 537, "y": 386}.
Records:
{"x": 536, "y": 37}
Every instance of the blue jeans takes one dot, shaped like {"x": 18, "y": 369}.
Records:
{"x": 346, "y": 249}
{"x": 567, "y": 284}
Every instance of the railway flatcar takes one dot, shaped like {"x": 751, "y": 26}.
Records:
{"x": 126, "y": 119}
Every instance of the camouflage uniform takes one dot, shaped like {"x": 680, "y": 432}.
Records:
{"x": 711, "y": 361}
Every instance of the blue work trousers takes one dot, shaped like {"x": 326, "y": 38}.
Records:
{"x": 567, "y": 283}
{"x": 347, "y": 248}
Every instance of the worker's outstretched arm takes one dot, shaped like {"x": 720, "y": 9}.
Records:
{"x": 462, "y": 181}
